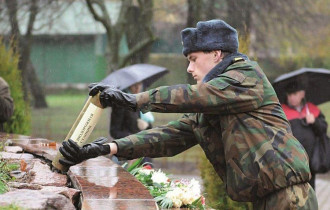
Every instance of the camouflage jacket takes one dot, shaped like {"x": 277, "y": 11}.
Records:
{"x": 6, "y": 103}
{"x": 237, "y": 119}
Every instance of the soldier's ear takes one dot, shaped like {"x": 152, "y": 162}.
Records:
{"x": 217, "y": 56}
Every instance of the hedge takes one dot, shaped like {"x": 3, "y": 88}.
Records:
{"x": 20, "y": 121}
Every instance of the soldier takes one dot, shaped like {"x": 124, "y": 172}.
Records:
{"x": 232, "y": 112}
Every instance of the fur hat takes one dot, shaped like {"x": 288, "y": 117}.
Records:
{"x": 209, "y": 35}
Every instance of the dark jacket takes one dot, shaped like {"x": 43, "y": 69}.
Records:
{"x": 238, "y": 121}
{"x": 123, "y": 122}
{"x": 6, "y": 103}
{"x": 307, "y": 134}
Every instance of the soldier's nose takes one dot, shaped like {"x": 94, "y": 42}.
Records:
{"x": 189, "y": 68}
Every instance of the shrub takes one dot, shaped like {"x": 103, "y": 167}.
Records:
{"x": 20, "y": 121}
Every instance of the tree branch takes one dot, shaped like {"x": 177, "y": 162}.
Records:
{"x": 12, "y": 12}
{"x": 140, "y": 46}
{"x": 104, "y": 18}
{"x": 32, "y": 17}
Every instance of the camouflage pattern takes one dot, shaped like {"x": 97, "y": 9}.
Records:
{"x": 237, "y": 119}
{"x": 297, "y": 197}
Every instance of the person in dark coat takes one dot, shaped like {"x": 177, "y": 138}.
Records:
{"x": 125, "y": 122}
{"x": 6, "y": 103}
{"x": 307, "y": 121}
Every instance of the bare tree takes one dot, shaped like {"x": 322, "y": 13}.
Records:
{"x": 210, "y": 8}
{"x": 139, "y": 21}
{"x": 195, "y": 12}
{"x": 116, "y": 31}
{"x": 280, "y": 23}
{"x": 29, "y": 10}
{"x": 265, "y": 23}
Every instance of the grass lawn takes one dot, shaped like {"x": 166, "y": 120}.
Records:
{"x": 55, "y": 122}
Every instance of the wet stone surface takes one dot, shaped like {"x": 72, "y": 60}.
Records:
{"x": 106, "y": 185}
{"x": 12, "y": 156}
{"x": 97, "y": 183}
{"x": 42, "y": 174}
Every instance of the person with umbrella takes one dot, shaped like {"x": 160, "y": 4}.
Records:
{"x": 125, "y": 122}
{"x": 306, "y": 120}
{"x": 232, "y": 112}
{"x": 132, "y": 79}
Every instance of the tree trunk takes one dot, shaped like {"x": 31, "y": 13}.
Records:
{"x": 115, "y": 32}
{"x": 136, "y": 31}
{"x": 35, "y": 87}
{"x": 195, "y": 10}
{"x": 240, "y": 16}
{"x": 29, "y": 77}
{"x": 209, "y": 10}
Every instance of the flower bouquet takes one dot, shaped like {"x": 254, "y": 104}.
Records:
{"x": 168, "y": 193}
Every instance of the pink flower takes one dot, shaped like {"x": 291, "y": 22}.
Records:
{"x": 203, "y": 200}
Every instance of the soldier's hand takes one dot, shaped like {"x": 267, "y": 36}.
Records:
{"x": 95, "y": 88}
{"x": 74, "y": 154}
{"x": 112, "y": 96}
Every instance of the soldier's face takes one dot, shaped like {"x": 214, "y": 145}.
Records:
{"x": 200, "y": 63}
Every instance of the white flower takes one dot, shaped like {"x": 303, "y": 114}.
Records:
{"x": 187, "y": 198}
{"x": 159, "y": 177}
{"x": 146, "y": 171}
{"x": 177, "y": 203}
{"x": 175, "y": 195}
{"x": 185, "y": 191}
{"x": 181, "y": 193}
{"x": 195, "y": 187}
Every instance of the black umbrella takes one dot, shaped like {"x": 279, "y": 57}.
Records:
{"x": 316, "y": 83}
{"x": 127, "y": 76}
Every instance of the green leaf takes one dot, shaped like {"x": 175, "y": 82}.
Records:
{"x": 135, "y": 171}
{"x": 197, "y": 204}
{"x": 135, "y": 164}
{"x": 164, "y": 202}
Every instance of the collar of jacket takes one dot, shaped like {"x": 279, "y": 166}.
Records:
{"x": 222, "y": 66}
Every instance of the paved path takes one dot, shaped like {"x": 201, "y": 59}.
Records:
{"x": 323, "y": 190}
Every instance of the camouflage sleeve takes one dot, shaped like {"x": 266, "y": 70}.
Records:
{"x": 163, "y": 141}
{"x": 232, "y": 92}
{"x": 6, "y": 102}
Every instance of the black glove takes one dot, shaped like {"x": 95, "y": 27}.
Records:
{"x": 75, "y": 154}
{"x": 112, "y": 96}
{"x": 95, "y": 88}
